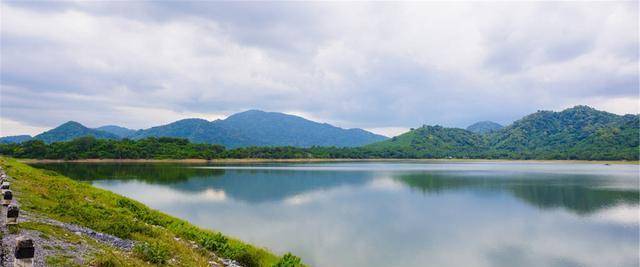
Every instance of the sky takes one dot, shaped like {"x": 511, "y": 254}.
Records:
{"x": 384, "y": 67}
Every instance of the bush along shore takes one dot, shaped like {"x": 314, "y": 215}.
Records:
{"x": 74, "y": 224}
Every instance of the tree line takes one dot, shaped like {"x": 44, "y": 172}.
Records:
{"x": 178, "y": 148}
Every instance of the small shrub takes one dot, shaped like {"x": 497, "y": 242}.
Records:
{"x": 289, "y": 260}
{"x": 154, "y": 252}
{"x": 13, "y": 229}
{"x": 242, "y": 254}
{"x": 220, "y": 244}
{"x": 60, "y": 261}
{"x": 105, "y": 261}
{"x": 215, "y": 242}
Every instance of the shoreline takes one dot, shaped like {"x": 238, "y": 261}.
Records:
{"x": 321, "y": 160}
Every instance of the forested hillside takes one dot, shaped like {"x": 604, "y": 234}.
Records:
{"x": 432, "y": 142}
{"x": 580, "y": 132}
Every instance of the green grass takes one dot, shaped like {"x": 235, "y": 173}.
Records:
{"x": 61, "y": 260}
{"x": 47, "y": 231}
{"x": 155, "y": 252}
{"x": 58, "y": 197}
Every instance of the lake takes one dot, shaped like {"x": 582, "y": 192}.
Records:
{"x": 400, "y": 213}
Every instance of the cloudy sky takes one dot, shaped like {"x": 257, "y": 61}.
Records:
{"x": 379, "y": 66}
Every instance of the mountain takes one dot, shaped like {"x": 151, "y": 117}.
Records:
{"x": 196, "y": 130}
{"x": 580, "y": 132}
{"x": 483, "y": 127}
{"x": 277, "y": 129}
{"x": 432, "y": 142}
{"x": 71, "y": 130}
{"x": 259, "y": 128}
{"x": 117, "y": 130}
{"x": 15, "y": 139}
{"x": 249, "y": 128}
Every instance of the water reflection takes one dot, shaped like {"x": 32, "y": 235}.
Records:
{"x": 578, "y": 191}
{"x": 581, "y": 193}
{"x": 401, "y": 214}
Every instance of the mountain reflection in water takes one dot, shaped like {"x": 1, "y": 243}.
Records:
{"x": 580, "y": 193}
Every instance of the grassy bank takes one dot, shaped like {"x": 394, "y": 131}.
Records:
{"x": 160, "y": 237}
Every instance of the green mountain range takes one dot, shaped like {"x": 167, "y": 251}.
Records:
{"x": 278, "y": 129}
{"x": 580, "y": 132}
{"x": 249, "y": 128}
{"x": 259, "y": 128}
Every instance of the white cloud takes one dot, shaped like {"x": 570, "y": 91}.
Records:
{"x": 380, "y": 66}
{"x": 148, "y": 117}
{"x": 10, "y": 127}
{"x": 385, "y": 184}
{"x": 618, "y": 105}
{"x": 389, "y": 131}
{"x": 620, "y": 214}
{"x": 148, "y": 193}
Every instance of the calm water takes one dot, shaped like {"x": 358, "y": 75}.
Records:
{"x": 401, "y": 214}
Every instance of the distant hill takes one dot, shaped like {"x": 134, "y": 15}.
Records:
{"x": 71, "y": 130}
{"x": 259, "y": 128}
{"x": 249, "y": 128}
{"x": 580, "y": 132}
{"x": 117, "y": 130}
{"x": 432, "y": 142}
{"x": 196, "y": 130}
{"x": 484, "y": 127}
{"x": 15, "y": 139}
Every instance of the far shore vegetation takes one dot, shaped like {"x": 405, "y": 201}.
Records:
{"x": 316, "y": 160}
{"x": 167, "y": 148}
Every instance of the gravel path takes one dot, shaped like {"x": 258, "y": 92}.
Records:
{"x": 114, "y": 241}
